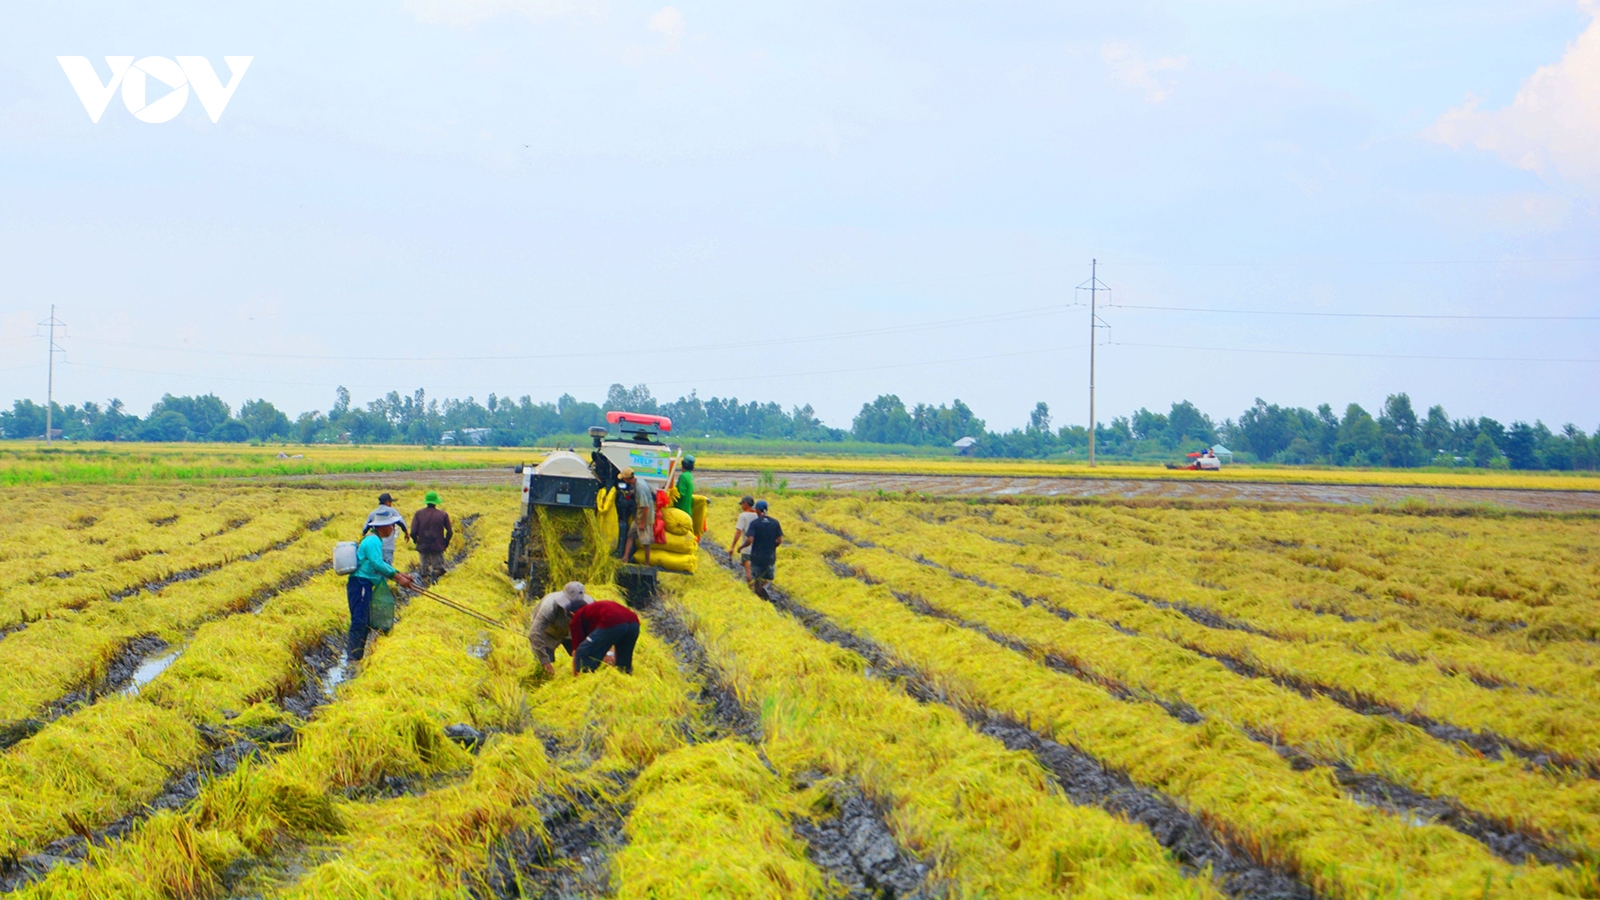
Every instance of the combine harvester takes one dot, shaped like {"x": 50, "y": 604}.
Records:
{"x": 568, "y": 529}
{"x": 1201, "y": 461}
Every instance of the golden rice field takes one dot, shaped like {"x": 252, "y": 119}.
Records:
{"x": 941, "y": 699}
{"x": 119, "y": 463}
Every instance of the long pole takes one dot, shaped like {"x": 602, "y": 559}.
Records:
{"x": 50, "y": 377}
{"x": 1093, "y": 283}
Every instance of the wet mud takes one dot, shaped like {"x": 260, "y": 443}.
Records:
{"x": 572, "y": 863}
{"x": 1086, "y": 780}
{"x": 851, "y": 841}
{"x": 1486, "y": 743}
{"x": 853, "y": 844}
{"x": 1512, "y": 845}
{"x": 225, "y": 751}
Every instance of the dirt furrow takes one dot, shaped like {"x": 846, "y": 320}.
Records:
{"x": 854, "y": 845}
{"x": 1510, "y": 844}
{"x": 1086, "y": 780}
{"x": 1490, "y": 744}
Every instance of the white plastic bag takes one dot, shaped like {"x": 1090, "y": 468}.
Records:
{"x": 344, "y": 558}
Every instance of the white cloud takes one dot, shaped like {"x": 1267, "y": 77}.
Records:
{"x": 669, "y": 22}
{"x": 1130, "y": 68}
{"x": 1553, "y": 125}
{"x": 466, "y": 13}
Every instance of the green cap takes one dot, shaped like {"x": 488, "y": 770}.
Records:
{"x": 431, "y": 498}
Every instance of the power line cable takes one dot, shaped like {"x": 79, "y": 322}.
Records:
{"x": 569, "y": 385}
{"x": 1010, "y": 316}
{"x": 1359, "y": 315}
{"x": 1520, "y": 359}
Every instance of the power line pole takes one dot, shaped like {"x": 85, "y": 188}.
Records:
{"x": 50, "y": 378}
{"x": 1093, "y": 286}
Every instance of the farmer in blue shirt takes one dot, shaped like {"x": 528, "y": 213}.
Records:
{"x": 370, "y": 569}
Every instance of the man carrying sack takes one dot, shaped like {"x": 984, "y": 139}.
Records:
{"x": 370, "y": 571}
{"x": 431, "y": 529}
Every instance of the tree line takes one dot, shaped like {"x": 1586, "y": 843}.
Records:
{"x": 1397, "y": 436}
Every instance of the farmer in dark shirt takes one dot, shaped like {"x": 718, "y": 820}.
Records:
{"x": 600, "y": 626}
{"x": 431, "y": 529}
{"x": 762, "y": 538}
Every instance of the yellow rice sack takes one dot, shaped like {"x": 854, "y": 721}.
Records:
{"x": 605, "y": 514}
{"x": 677, "y": 543}
{"x": 677, "y": 521}
{"x": 672, "y": 562}
{"x": 701, "y": 508}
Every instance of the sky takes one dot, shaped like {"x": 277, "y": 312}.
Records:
{"x": 815, "y": 203}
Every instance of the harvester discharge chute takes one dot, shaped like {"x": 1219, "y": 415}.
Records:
{"x": 568, "y": 528}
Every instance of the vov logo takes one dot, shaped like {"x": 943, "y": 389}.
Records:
{"x": 134, "y": 78}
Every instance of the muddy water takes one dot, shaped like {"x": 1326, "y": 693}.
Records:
{"x": 148, "y": 670}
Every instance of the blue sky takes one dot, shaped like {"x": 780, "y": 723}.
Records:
{"x": 538, "y": 197}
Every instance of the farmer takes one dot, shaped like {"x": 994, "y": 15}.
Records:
{"x": 684, "y": 496}
{"x": 642, "y": 532}
{"x": 431, "y": 529}
{"x": 762, "y": 538}
{"x": 386, "y": 502}
{"x": 371, "y": 568}
{"x": 601, "y": 626}
{"x": 627, "y": 503}
{"x": 741, "y": 527}
{"x": 552, "y": 619}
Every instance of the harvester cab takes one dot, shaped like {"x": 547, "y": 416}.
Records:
{"x": 564, "y": 480}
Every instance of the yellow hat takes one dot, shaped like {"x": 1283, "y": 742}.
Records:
{"x": 626, "y": 472}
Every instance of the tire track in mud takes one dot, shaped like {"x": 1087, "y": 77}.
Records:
{"x": 321, "y": 670}
{"x": 140, "y": 660}
{"x": 156, "y": 584}
{"x": 1085, "y": 779}
{"x": 1481, "y": 742}
{"x": 1509, "y": 843}
{"x": 1211, "y": 618}
{"x": 855, "y": 846}
{"x": 37, "y": 577}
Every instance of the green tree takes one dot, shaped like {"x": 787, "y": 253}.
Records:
{"x": 263, "y": 420}
{"x": 1484, "y": 450}
{"x": 1360, "y": 441}
{"x": 883, "y": 421}
{"x": 164, "y": 425}
{"x": 202, "y": 414}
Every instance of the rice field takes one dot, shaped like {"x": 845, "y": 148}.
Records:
{"x": 940, "y": 699}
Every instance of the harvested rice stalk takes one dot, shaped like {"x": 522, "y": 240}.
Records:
{"x": 574, "y": 548}
{"x": 1298, "y": 819}
{"x": 991, "y": 819}
{"x": 710, "y": 821}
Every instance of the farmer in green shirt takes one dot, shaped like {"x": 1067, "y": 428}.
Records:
{"x": 685, "y": 499}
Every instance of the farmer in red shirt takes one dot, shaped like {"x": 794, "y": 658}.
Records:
{"x": 600, "y": 626}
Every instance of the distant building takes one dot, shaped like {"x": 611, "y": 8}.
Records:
{"x": 465, "y": 436}
{"x": 1222, "y": 453}
{"x": 965, "y": 445}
